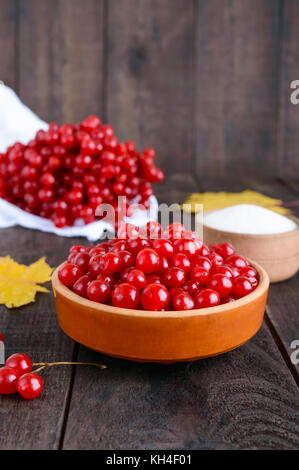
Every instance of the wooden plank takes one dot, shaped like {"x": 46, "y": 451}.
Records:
{"x": 243, "y": 399}
{"x": 61, "y": 58}
{"x": 34, "y": 330}
{"x": 149, "y": 82}
{"x": 283, "y": 321}
{"x": 8, "y": 34}
{"x": 176, "y": 188}
{"x": 236, "y": 80}
{"x": 288, "y": 113}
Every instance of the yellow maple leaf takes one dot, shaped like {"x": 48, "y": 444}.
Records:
{"x": 20, "y": 283}
{"x": 219, "y": 200}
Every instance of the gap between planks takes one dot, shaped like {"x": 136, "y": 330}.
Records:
{"x": 68, "y": 398}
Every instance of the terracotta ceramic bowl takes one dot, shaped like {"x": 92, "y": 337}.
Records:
{"x": 277, "y": 253}
{"x": 167, "y": 337}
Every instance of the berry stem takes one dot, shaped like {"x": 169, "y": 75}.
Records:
{"x": 50, "y": 364}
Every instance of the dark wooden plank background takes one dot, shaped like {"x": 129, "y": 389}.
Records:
{"x": 206, "y": 82}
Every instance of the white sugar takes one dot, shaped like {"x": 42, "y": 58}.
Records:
{"x": 248, "y": 218}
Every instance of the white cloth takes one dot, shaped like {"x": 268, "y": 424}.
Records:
{"x": 19, "y": 123}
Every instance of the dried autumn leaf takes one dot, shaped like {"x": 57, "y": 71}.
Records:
{"x": 219, "y": 200}
{"x": 20, "y": 283}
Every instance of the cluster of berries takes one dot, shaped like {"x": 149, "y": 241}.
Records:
{"x": 150, "y": 270}
{"x": 66, "y": 172}
{"x": 17, "y": 376}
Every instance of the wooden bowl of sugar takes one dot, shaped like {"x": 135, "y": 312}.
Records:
{"x": 269, "y": 238}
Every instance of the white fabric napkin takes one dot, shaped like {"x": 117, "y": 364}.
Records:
{"x": 19, "y": 123}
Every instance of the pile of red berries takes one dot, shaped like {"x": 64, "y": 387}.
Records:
{"x": 66, "y": 172}
{"x": 145, "y": 269}
{"x": 17, "y": 376}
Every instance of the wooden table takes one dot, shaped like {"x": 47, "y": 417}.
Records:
{"x": 245, "y": 399}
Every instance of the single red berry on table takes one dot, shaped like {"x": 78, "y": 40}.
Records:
{"x": 206, "y": 298}
{"x": 20, "y": 362}
{"x": 125, "y": 296}
{"x": 30, "y": 386}
{"x": 154, "y": 297}
{"x": 8, "y": 380}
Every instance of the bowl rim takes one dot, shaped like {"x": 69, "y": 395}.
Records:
{"x": 261, "y": 236}
{"x": 70, "y": 295}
